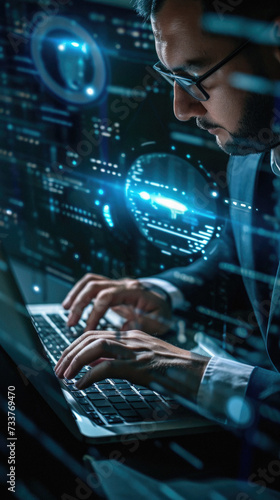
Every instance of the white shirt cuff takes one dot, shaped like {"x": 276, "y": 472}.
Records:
{"x": 176, "y": 296}
{"x": 222, "y": 389}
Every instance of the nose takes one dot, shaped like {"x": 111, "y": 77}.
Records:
{"x": 185, "y": 106}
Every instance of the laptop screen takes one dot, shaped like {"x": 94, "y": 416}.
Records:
{"x": 21, "y": 342}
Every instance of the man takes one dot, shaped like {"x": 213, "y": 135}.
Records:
{"x": 238, "y": 120}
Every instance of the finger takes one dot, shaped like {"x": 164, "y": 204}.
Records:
{"x": 95, "y": 350}
{"x": 70, "y": 353}
{"x": 71, "y": 296}
{"x": 110, "y": 297}
{"x": 149, "y": 323}
{"x": 79, "y": 343}
{"x": 126, "y": 312}
{"x": 84, "y": 298}
{"x": 107, "y": 369}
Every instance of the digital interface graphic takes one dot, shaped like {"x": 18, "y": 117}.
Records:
{"x": 69, "y": 61}
{"x": 79, "y": 107}
{"x": 172, "y": 203}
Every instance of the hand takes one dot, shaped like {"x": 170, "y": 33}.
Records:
{"x": 134, "y": 356}
{"x": 142, "y": 309}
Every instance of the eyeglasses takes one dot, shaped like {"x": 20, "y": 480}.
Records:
{"x": 193, "y": 85}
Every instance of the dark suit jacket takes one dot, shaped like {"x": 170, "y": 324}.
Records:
{"x": 239, "y": 246}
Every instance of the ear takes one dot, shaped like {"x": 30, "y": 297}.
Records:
{"x": 277, "y": 36}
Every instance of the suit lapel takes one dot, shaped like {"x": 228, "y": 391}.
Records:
{"x": 243, "y": 176}
{"x": 272, "y": 333}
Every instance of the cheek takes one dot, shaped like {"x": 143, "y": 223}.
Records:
{"x": 226, "y": 107}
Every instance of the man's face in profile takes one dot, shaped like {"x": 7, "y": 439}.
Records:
{"x": 241, "y": 121}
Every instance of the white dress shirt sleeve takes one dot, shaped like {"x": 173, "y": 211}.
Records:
{"x": 223, "y": 387}
{"x": 175, "y": 295}
{"x": 224, "y": 383}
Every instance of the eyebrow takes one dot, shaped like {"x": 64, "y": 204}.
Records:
{"x": 192, "y": 65}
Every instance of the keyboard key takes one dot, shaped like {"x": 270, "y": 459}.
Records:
{"x": 95, "y": 396}
{"x": 128, "y": 413}
{"x": 135, "y": 398}
{"x": 116, "y": 399}
{"x": 139, "y": 405}
{"x": 78, "y": 395}
{"x": 101, "y": 403}
{"x": 89, "y": 410}
{"x": 146, "y": 413}
{"x": 146, "y": 392}
{"x": 85, "y": 404}
{"x": 92, "y": 390}
{"x": 97, "y": 420}
{"x": 122, "y": 385}
{"x": 105, "y": 386}
{"x": 107, "y": 411}
{"x": 110, "y": 393}
{"x": 114, "y": 419}
{"x": 128, "y": 392}
{"x": 122, "y": 406}
{"x": 151, "y": 397}
{"x": 132, "y": 418}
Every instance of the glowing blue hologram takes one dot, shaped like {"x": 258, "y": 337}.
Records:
{"x": 69, "y": 60}
{"x": 239, "y": 411}
{"x": 145, "y": 196}
{"x": 172, "y": 203}
{"x": 253, "y": 83}
{"x": 90, "y": 91}
{"x": 260, "y": 32}
{"x": 107, "y": 216}
{"x": 175, "y": 207}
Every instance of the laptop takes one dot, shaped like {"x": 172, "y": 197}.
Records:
{"x": 111, "y": 410}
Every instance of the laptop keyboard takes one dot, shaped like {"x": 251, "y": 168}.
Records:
{"x": 112, "y": 401}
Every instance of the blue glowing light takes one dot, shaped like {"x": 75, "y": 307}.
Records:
{"x": 90, "y": 91}
{"x": 97, "y": 203}
{"x": 107, "y": 215}
{"x": 145, "y": 196}
{"x": 36, "y": 289}
{"x": 239, "y": 411}
{"x": 75, "y": 44}
{"x": 214, "y": 194}
{"x": 101, "y": 192}
{"x": 175, "y": 206}
{"x": 61, "y": 47}
{"x": 76, "y": 256}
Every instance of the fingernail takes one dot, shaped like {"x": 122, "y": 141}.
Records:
{"x": 66, "y": 373}
{"x": 73, "y": 319}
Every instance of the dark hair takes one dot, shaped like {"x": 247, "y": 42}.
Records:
{"x": 255, "y": 9}
{"x": 148, "y": 7}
